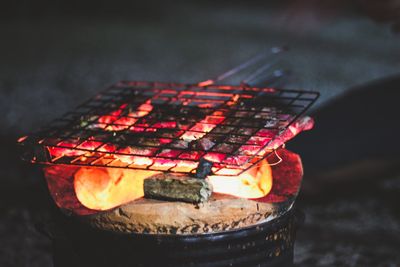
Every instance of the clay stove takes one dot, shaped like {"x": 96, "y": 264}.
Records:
{"x": 222, "y": 144}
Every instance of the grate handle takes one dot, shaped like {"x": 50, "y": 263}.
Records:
{"x": 267, "y": 54}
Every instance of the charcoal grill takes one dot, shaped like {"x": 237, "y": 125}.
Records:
{"x": 175, "y": 127}
{"x": 239, "y": 124}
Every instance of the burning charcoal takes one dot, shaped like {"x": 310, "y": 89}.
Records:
{"x": 164, "y": 141}
{"x": 269, "y": 109}
{"x": 214, "y": 157}
{"x": 190, "y": 136}
{"x": 258, "y": 140}
{"x": 285, "y": 117}
{"x": 237, "y": 139}
{"x": 162, "y": 164}
{"x": 149, "y": 141}
{"x": 89, "y": 145}
{"x": 213, "y": 119}
{"x": 133, "y": 106}
{"x": 216, "y": 138}
{"x": 225, "y": 148}
{"x": 237, "y": 160}
{"x": 177, "y": 188}
{"x": 302, "y": 124}
{"x": 165, "y": 124}
{"x": 263, "y": 115}
{"x": 184, "y": 123}
{"x": 107, "y": 148}
{"x": 246, "y": 131}
{"x": 249, "y": 150}
{"x": 86, "y": 120}
{"x": 127, "y": 123}
{"x": 205, "y": 144}
{"x": 124, "y": 121}
{"x": 168, "y": 133}
{"x": 251, "y": 123}
{"x": 223, "y": 129}
{"x": 272, "y": 123}
{"x": 100, "y": 136}
{"x": 243, "y": 114}
{"x": 185, "y": 166}
{"x": 204, "y": 168}
{"x": 267, "y": 133}
{"x": 169, "y": 153}
{"x": 180, "y": 144}
{"x": 192, "y": 155}
{"x": 203, "y": 127}
{"x": 234, "y": 121}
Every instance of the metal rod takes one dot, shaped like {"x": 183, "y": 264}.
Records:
{"x": 256, "y": 73}
{"x": 252, "y": 61}
{"x": 269, "y": 79}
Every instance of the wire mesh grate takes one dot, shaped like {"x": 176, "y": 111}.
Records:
{"x": 170, "y": 127}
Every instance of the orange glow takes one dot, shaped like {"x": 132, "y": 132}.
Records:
{"x": 22, "y": 139}
{"x": 254, "y": 183}
{"x": 202, "y": 128}
{"x": 198, "y": 131}
{"x": 122, "y": 123}
{"x": 205, "y": 83}
{"x": 106, "y": 188}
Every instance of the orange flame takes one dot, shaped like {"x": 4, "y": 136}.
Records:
{"x": 254, "y": 183}
{"x": 106, "y": 188}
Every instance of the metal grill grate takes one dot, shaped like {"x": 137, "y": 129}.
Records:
{"x": 170, "y": 127}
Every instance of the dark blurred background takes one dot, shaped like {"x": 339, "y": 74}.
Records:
{"x": 55, "y": 54}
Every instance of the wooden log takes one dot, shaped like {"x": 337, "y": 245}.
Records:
{"x": 177, "y": 188}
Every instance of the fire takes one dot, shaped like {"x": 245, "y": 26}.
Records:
{"x": 122, "y": 123}
{"x": 254, "y": 183}
{"x": 86, "y": 190}
{"x": 106, "y": 188}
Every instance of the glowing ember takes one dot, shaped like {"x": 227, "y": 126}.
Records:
{"x": 254, "y": 183}
{"x": 85, "y": 190}
{"x": 106, "y": 188}
{"x": 98, "y": 161}
{"x": 123, "y": 123}
{"x": 303, "y": 124}
{"x": 22, "y": 139}
{"x": 205, "y": 126}
{"x": 223, "y": 127}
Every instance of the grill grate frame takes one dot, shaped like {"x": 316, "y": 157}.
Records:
{"x": 239, "y": 117}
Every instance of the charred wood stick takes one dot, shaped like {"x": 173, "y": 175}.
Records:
{"x": 177, "y": 188}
